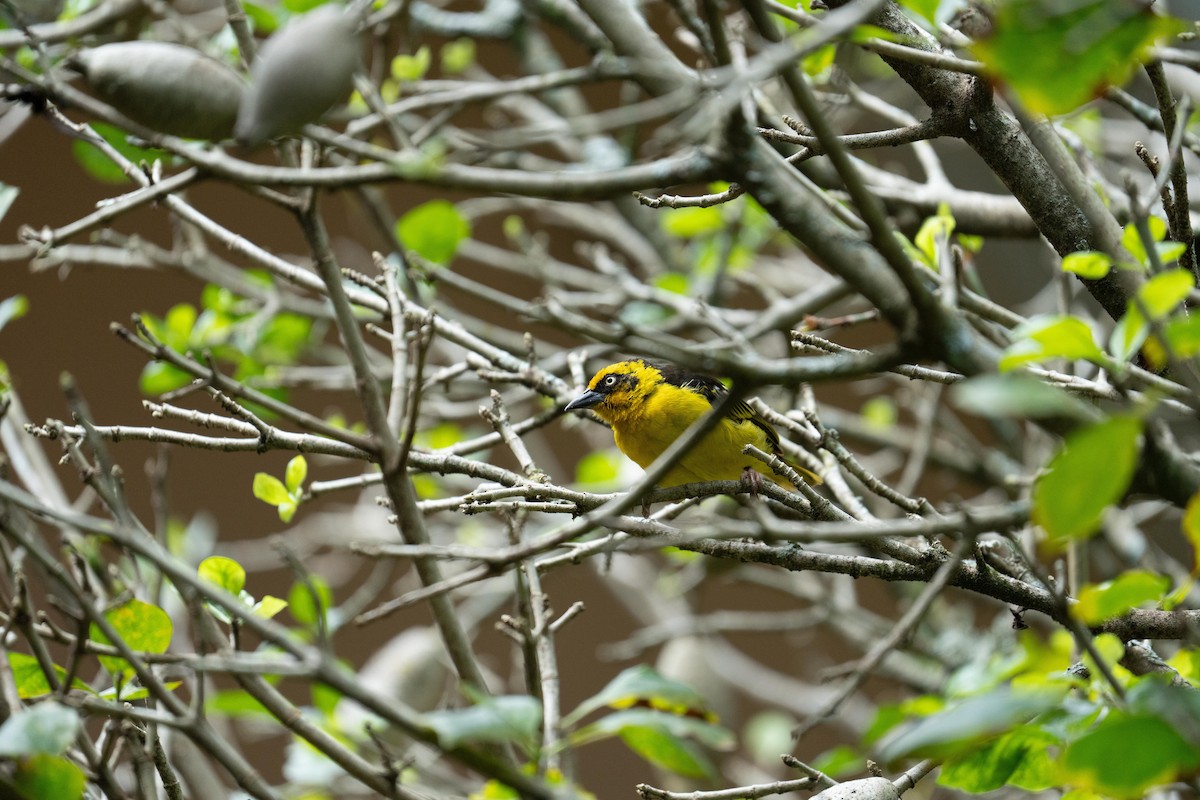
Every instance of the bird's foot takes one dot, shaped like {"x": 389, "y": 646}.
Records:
{"x": 752, "y": 480}
{"x": 645, "y": 508}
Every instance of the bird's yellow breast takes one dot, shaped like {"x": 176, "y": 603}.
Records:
{"x": 644, "y": 430}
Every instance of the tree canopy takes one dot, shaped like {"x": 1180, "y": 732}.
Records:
{"x": 945, "y": 250}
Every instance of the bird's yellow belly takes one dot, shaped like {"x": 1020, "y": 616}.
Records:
{"x": 717, "y": 456}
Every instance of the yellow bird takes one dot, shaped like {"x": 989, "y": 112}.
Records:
{"x": 651, "y": 403}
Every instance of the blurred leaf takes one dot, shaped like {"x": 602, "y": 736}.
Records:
{"x": 934, "y": 233}
{"x": 1159, "y": 296}
{"x": 1100, "y": 602}
{"x": 270, "y": 489}
{"x": 890, "y": 715}
{"x": 1090, "y": 473}
{"x": 1191, "y": 530}
{"x": 688, "y": 223}
{"x": 100, "y": 167}
{"x": 159, "y": 377}
{"x": 236, "y": 704}
{"x": 265, "y": 18}
{"x": 1131, "y": 240}
{"x": 39, "y": 777}
{"x": 1088, "y": 264}
{"x": 674, "y": 282}
{"x": 680, "y": 726}
{"x": 269, "y": 606}
{"x": 1059, "y": 54}
{"x": 495, "y": 720}
{"x": 1015, "y": 395}
{"x": 926, "y": 9}
{"x": 1183, "y": 335}
{"x": 1124, "y": 755}
{"x": 1019, "y": 758}
{"x": 641, "y": 685}
{"x": 8, "y": 194}
{"x": 1178, "y": 706}
{"x": 1046, "y": 337}
{"x": 145, "y": 628}
{"x": 819, "y": 61}
{"x": 767, "y": 734}
{"x": 305, "y": 609}
{"x": 667, "y": 751}
{"x": 46, "y": 728}
{"x": 879, "y": 413}
{"x": 840, "y": 762}
{"x": 433, "y": 230}
{"x": 12, "y": 308}
{"x": 458, "y": 56}
{"x": 223, "y": 572}
{"x": 963, "y": 726}
{"x": 31, "y": 681}
{"x": 407, "y": 68}
{"x": 599, "y": 467}
{"x": 294, "y": 475}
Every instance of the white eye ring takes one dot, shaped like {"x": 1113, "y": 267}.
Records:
{"x": 611, "y": 380}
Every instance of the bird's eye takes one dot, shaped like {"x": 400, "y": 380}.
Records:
{"x": 610, "y": 381}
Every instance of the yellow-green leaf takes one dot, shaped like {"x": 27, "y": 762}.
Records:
{"x": 1090, "y": 473}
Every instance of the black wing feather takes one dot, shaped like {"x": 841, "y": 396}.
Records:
{"x": 714, "y": 391}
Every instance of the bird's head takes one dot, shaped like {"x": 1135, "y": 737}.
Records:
{"x": 618, "y": 388}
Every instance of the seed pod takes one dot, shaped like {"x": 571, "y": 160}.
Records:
{"x": 167, "y": 87}
{"x": 300, "y": 73}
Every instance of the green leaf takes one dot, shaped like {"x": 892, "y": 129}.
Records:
{"x": 1191, "y": 530}
{"x": 1020, "y": 396}
{"x": 159, "y": 377}
{"x": 269, "y": 606}
{"x": 13, "y": 308}
{"x": 304, "y": 607}
{"x": 1046, "y": 337}
{"x": 45, "y": 776}
{"x": 1058, "y": 54}
{"x": 457, "y": 56}
{"x": 287, "y": 510}
{"x": 641, "y": 685}
{"x": 1183, "y": 335}
{"x": 47, "y": 728}
{"x": 1090, "y": 473}
{"x": 840, "y": 762}
{"x": 934, "y": 233}
{"x": 599, "y": 467}
{"x": 962, "y": 727}
{"x": 1131, "y": 240}
{"x": 144, "y": 627}
{"x": 879, "y": 413}
{"x": 1124, "y": 755}
{"x": 679, "y": 726}
{"x": 433, "y": 230}
{"x": 1100, "y": 602}
{"x": 1088, "y": 264}
{"x": 669, "y": 752}
{"x": 926, "y": 9}
{"x": 223, "y": 572}
{"x": 100, "y": 166}
{"x": 236, "y": 704}
{"x": 1018, "y": 758}
{"x": 413, "y": 67}
{"x": 297, "y": 471}
{"x": 31, "y": 681}
{"x": 1162, "y": 293}
{"x": 688, "y": 223}
{"x": 270, "y": 489}
{"x": 495, "y": 720}
{"x": 1178, "y": 706}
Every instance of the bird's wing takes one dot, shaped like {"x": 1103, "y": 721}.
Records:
{"x": 714, "y": 391}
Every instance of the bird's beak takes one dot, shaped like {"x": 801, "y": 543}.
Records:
{"x": 585, "y": 400}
